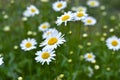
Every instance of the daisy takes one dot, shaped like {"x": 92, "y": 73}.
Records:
{"x": 79, "y": 8}
{"x": 28, "y": 44}
{"x": 31, "y": 11}
{"x": 89, "y": 57}
{"x": 45, "y": 56}
{"x": 49, "y": 32}
{"x": 93, "y": 3}
{"x": 113, "y": 43}
{"x": 53, "y": 41}
{"x": 59, "y": 5}
{"x": 80, "y": 15}
{"x": 44, "y": 26}
{"x": 26, "y": 13}
{"x": 64, "y": 18}
{"x": 1, "y": 60}
{"x": 89, "y": 21}
{"x": 44, "y": 0}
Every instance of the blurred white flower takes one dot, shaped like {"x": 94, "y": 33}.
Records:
{"x": 1, "y": 60}
{"x": 44, "y": 0}
{"x": 113, "y": 43}
{"x": 6, "y": 28}
{"x": 24, "y": 19}
{"x": 45, "y": 56}
{"x": 20, "y": 78}
{"x": 89, "y": 57}
{"x": 59, "y": 5}
{"x": 5, "y": 16}
{"x": 79, "y": 8}
{"x": 28, "y": 44}
{"x": 97, "y": 67}
{"x": 90, "y": 72}
{"x": 30, "y": 11}
{"x": 44, "y": 26}
{"x": 49, "y": 32}
{"x": 93, "y": 3}
{"x": 89, "y": 21}
{"x": 80, "y": 15}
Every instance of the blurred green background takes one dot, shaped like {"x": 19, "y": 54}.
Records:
{"x": 69, "y": 61}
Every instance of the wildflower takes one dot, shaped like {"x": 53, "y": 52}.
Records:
{"x": 80, "y": 15}
{"x": 49, "y": 32}
{"x": 89, "y": 21}
{"x": 93, "y": 3}
{"x": 79, "y": 8}
{"x": 53, "y": 41}
{"x": 67, "y": 16}
{"x": 28, "y": 44}
{"x": 1, "y": 60}
{"x": 89, "y": 57}
{"x": 113, "y": 43}
{"x": 31, "y": 11}
{"x": 45, "y": 56}
{"x": 59, "y": 5}
{"x": 44, "y": 26}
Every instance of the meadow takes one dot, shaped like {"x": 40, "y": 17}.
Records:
{"x": 76, "y": 40}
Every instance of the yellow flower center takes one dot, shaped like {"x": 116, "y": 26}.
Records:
{"x": 45, "y": 55}
{"x": 48, "y": 33}
{"x": 59, "y": 5}
{"x": 52, "y": 41}
{"x": 89, "y": 56}
{"x": 92, "y": 3}
{"x": 65, "y": 17}
{"x": 33, "y": 10}
{"x": 114, "y": 43}
{"x": 89, "y": 21}
{"x": 44, "y": 26}
{"x": 80, "y": 14}
{"x": 28, "y": 45}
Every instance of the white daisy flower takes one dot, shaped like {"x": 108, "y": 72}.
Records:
{"x": 89, "y": 21}
{"x": 28, "y": 44}
{"x": 53, "y": 41}
{"x": 90, "y": 72}
{"x": 113, "y": 43}
{"x": 45, "y": 56}
{"x": 30, "y": 11}
{"x": 80, "y": 15}
{"x": 26, "y": 13}
{"x": 49, "y": 32}
{"x": 64, "y": 18}
{"x": 59, "y": 5}
{"x": 44, "y": 0}
{"x": 44, "y": 26}
{"x": 93, "y": 3}
{"x": 1, "y": 60}
{"x": 79, "y": 8}
{"x": 89, "y": 57}
{"x": 33, "y": 10}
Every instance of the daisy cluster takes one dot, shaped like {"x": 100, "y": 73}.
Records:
{"x": 52, "y": 39}
{"x": 80, "y": 14}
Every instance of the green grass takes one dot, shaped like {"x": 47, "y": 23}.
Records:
{"x": 20, "y": 63}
